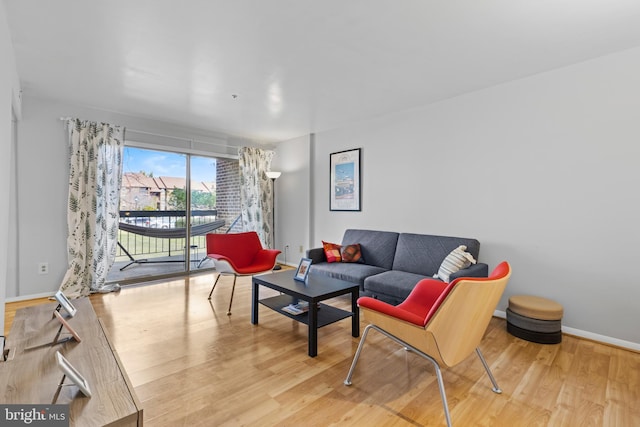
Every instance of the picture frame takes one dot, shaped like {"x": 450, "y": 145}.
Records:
{"x": 303, "y": 270}
{"x": 344, "y": 180}
{"x": 64, "y": 303}
{"x": 67, "y": 326}
{"x": 73, "y": 374}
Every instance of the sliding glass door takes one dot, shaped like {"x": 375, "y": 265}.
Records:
{"x": 163, "y": 215}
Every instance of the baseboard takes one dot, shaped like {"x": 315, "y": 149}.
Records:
{"x": 28, "y": 297}
{"x": 628, "y": 345}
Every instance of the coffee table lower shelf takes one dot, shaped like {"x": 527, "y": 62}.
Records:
{"x": 326, "y": 313}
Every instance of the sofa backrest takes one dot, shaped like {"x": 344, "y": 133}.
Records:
{"x": 423, "y": 253}
{"x": 378, "y": 247}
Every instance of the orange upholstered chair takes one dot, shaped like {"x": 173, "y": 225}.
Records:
{"x": 442, "y": 322}
{"x": 239, "y": 254}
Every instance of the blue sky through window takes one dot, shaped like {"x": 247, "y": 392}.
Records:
{"x": 164, "y": 163}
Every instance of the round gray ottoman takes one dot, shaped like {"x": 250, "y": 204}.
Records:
{"x": 535, "y": 319}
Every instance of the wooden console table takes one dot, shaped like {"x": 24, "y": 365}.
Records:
{"x": 31, "y": 374}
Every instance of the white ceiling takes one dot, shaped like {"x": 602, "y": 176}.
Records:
{"x": 298, "y": 66}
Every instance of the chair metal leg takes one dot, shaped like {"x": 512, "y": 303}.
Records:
{"x": 495, "y": 388}
{"x": 347, "y": 381}
{"x": 232, "y": 290}
{"x": 443, "y": 395}
{"x": 214, "y": 285}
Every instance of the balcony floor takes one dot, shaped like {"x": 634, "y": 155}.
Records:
{"x": 148, "y": 271}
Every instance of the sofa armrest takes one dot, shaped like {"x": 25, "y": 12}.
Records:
{"x": 316, "y": 255}
{"x": 474, "y": 270}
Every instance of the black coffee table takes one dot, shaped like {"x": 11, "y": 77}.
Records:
{"x": 317, "y": 288}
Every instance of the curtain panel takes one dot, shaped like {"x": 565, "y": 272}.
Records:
{"x": 256, "y": 193}
{"x": 95, "y": 177}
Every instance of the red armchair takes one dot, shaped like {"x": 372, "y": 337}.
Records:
{"x": 239, "y": 254}
{"x": 442, "y": 322}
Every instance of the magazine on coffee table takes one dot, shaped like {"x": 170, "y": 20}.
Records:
{"x": 295, "y": 309}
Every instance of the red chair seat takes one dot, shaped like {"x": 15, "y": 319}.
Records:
{"x": 419, "y": 306}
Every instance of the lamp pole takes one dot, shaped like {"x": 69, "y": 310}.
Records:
{"x": 273, "y": 176}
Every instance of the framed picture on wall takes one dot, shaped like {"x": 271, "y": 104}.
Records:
{"x": 344, "y": 180}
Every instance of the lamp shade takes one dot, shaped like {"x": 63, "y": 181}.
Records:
{"x": 273, "y": 174}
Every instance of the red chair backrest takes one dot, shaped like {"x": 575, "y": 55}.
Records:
{"x": 241, "y": 248}
{"x": 463, "y": 316}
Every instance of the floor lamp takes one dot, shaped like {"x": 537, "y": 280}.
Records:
{"x": 272, "y": 175}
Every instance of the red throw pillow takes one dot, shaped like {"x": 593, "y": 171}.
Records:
{"x": 331, "y": 251}
{"x": 351, "y": 253}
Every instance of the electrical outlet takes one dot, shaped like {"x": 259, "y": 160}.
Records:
{"x": 43, "y": 268}
{"x": 301, "y": 249}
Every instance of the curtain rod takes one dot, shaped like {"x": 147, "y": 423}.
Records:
{"x": 191, "y": 140}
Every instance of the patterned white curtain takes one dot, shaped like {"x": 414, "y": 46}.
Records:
{"x": 256, "y": 197}
{"x": 95, "y": 176}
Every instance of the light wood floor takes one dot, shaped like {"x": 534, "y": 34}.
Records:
{"x": 192, "y": 365}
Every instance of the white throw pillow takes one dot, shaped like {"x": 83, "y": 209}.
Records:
{"x": 455, "y": 261}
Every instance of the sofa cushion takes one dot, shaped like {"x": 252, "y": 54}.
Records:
{"x": 331, "y": 251}
{"x": 457, "y": 260}
{"x": 391, "y": 286}
{"x": 351, "y": 272}
{"x": 378, "y": 247}
{"x": 423, "y": 254}
{"x": 351, "y": 253}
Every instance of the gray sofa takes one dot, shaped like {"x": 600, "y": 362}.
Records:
{"x": 392, "y": 263}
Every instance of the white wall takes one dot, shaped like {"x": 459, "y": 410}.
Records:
{"x": 543, "y": 171}
{"x": 43, "y": 181}
{"x": 293, "y": 198}
{"x": 42, "y": 198}
{"x": 9, "y": 101}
